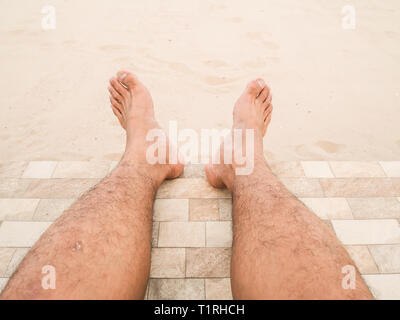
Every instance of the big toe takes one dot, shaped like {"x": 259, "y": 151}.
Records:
{"x": 128, "y": 79}
{"x": 255, "y": 87}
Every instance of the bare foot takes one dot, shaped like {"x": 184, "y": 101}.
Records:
{"x": 132, "y": 104}
{"x": 252, "y": 110}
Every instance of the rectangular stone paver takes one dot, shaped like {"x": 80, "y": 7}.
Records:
{"x": 387, "y": 257}
{"x": 59, "y": 188}
{"x": 171, "y": 210}
{"x": 12, "y": 169}
{"x": 190, "y": 188}
{"x": 329, "y": 208}
{"x": 219, "y": 234}
{"x": 194, "y": 171}
{"x": 17, "y": 209}
{"x": 113, "y": 165}
{"x": 82, "y": 169}
{"x": 204, "y": 210}
{"x": 17, "y": 258}
{"x": 360, "y": 187}
{"x": 21, "y": 234}
{"x": 192, "y": 228}
{"x": 39, "y": 169}
{"x": 356, "y": 169}
{"x": 225, "y": 209}
{"x": 6, "y": 255}
{"x": 181, "y": 234}
{"x": 375, "y": 208}
{"x": 328, "y": 223}
{"x": 176, "y": 289}
{"x": 51, "y": 209}
{"x": 154, "y": 234}
{"x": 14, "y": 188}
{"x": 396, "y": 186}
{"x": 384, "y": 286}
{"x": 287, "y": 169}
{"x": 391, "y": 168}
{"x": 367, "y": 231}
{"x": 363, "y": 259}
{"x": 3, "y": 282}
{"x": 208, "y": 262}
{"x": 218, "y": 289}
{"x": 317, "y": 169}
{"x": 167, "y": 263}
{"x": 303, "y": 187}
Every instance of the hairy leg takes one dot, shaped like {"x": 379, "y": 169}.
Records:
{"x": 281, "y": 250}
{"x": 100, "y": 247}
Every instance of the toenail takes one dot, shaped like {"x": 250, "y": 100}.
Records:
{"x": 261, "y": 83}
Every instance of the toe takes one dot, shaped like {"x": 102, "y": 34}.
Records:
{"x": 115, "y": 94}
{"x": 128, "y": 79}
{"x": 268, "y": 120}
{"x": 116, "y": 104}
{"x": 119, "y": 88}
{"x": 263, "y": 94}
{"x": 266, "y": 123}
{"x": 268, "y": 111}
{"x": 255, "y": 87}
{"x": 116, "y": 108}
{"x": 119, "y": 117}
{"x": 267, "y": 102}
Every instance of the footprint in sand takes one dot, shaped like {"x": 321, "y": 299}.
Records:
{"x": 216, "y": 81}
{"x": 330, "y": 147}
{"x": 235, "y": 20}
{"x": 314, "y": 151}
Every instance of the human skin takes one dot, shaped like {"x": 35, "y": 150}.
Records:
{"x": 281, "y": 250}
{"x": 100, "y": 247}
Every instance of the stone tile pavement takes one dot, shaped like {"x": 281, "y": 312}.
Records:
{"x": 192, "y": 228}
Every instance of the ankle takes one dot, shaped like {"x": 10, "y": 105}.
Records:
{"x": 140, "y": 125}
{"x": 131, "y": 167}
{"x": 258, "y": 164}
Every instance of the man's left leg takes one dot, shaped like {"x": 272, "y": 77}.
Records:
{"x": 100, "y": 247}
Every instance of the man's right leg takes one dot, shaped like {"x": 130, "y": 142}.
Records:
{"x": 100, "y": 247}
{"x": 281, "y": 250}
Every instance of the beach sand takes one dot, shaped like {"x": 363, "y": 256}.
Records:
{"x": 336, "y": 92}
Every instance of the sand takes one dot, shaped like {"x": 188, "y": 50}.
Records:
{"x": 336, "y": 92}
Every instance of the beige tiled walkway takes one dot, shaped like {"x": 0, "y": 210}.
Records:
{"x": 192, "y": 232}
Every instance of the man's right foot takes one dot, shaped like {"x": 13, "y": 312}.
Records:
{"x": 253, "y": 110}
{"x": 132, "y": 104}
